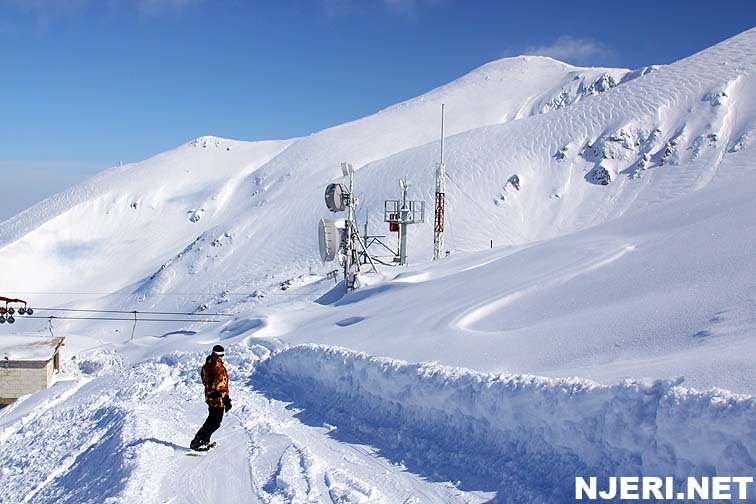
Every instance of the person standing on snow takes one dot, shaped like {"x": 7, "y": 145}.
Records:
{"x": 215, "y": 380}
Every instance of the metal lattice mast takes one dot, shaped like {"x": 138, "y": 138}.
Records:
{"x": 346, "y": 244}
{"x": 349, "y": 231}
{"x": 438, "y": 225}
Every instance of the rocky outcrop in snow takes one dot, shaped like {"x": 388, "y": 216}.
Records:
{"x": 578, "y": 88}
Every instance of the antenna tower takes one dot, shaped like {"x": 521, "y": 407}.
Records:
{"x": 339, "y": 198}
{"x": 438, "y": 225}
{"x": 399, "y": 214}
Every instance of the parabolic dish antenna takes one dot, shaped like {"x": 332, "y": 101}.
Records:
{"x": 335, "y": 197}
{"x": 329, "y": 239}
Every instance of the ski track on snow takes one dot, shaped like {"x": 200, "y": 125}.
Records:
{"x": 469, "y": 318}
{"x": 264, "y": 453}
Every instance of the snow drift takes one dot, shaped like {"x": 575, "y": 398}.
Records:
{"x": 529, "y": 435}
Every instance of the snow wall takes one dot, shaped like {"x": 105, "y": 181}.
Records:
{"x": 526, "y": 437}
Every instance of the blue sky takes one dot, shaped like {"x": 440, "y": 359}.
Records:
{"x": 87, "y": 83}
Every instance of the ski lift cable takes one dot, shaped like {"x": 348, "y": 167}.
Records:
{"x": 187, "y": 314}
{"x": 164, "y": 294}
{"x": 67, "y": 317}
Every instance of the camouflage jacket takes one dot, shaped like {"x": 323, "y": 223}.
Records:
{"x": 215, "y": 380}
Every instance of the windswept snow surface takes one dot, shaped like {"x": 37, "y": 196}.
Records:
{"x": 620, "y": 206}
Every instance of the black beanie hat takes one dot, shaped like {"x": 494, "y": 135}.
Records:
{"x": 218, "y": 349}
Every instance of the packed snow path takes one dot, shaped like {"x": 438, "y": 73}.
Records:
{"x": 313, "y": 423}
{"x": 122, "y": 436}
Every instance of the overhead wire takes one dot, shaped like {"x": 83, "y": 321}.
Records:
{"x": 164, "y": 294}
{"x": 68, "y": 317}
{"x": 186, "y": 314}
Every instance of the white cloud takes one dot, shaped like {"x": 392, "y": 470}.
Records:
{"x": 573, "y": 50}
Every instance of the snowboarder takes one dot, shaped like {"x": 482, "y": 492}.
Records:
{"x": 215, "y": 380}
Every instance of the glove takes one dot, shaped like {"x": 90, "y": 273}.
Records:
{"x": 227, "y": 404}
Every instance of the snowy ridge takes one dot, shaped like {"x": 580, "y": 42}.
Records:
{"x": 524, "y": 434}
{"x": 154, "y": 206}
{"x": 143, "y": 178}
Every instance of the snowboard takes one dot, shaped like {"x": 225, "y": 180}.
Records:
{"x": 193, "y": 453}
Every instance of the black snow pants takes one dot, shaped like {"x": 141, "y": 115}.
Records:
{"x": 213, "y": 422}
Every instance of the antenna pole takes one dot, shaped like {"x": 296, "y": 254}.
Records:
{"x": 442, "y": 132}
{"x": 403, "y": 221}
{"x": 367, "y": 218}
{"x": 438, "y": 225}
{"x": 348, "y": 278}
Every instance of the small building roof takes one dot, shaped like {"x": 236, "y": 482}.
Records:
{"x": 17, "y": 347}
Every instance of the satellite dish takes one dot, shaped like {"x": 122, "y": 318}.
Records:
{"x": 329, "y": 239}
{"x": 335, "y": 197}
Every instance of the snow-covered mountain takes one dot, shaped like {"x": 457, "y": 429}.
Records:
{"x": 211, "y": 186}
{"x": 624, "y": 250}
